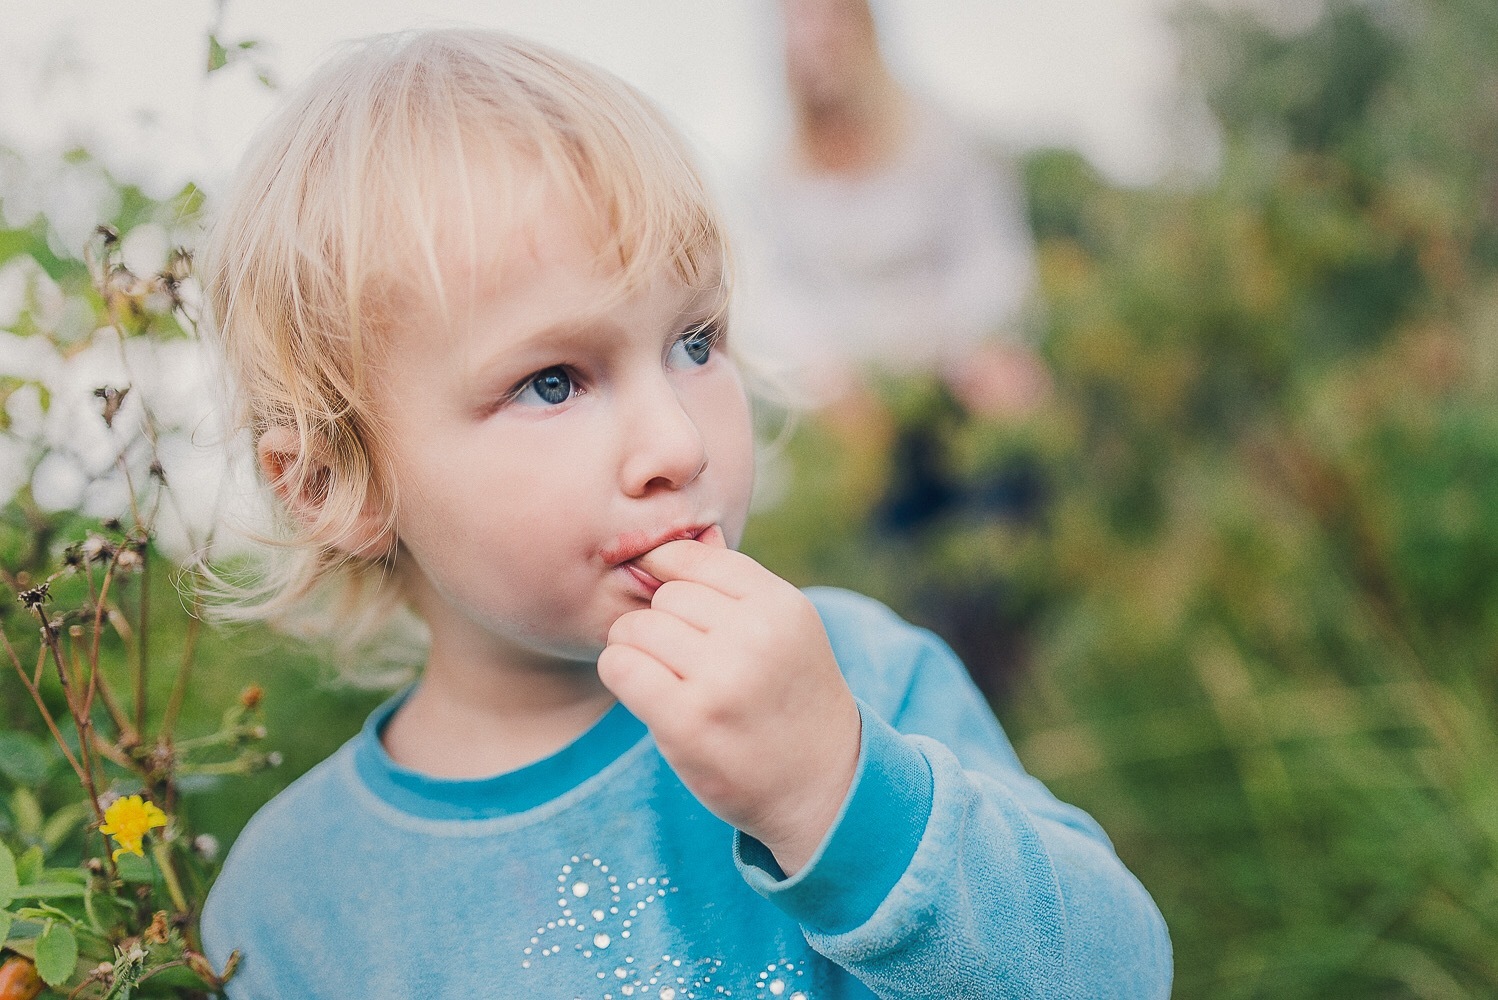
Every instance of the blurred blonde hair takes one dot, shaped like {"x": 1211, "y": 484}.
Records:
{"x": 350, "y": 207}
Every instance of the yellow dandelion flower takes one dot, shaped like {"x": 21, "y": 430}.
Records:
{"x": 129, "y": 819}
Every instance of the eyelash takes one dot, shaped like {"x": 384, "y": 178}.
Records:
{"x": 713, "y": 330}
{"x": 712, "y": 333}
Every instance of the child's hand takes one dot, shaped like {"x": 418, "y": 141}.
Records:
{"x": 731, "y": 669}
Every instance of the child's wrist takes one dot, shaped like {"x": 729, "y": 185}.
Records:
{"x": 795, "y": 842}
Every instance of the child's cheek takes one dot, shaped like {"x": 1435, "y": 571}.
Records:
{"x": 737, "y": 463}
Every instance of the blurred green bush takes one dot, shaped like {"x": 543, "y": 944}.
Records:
{"x": 1253, "y": 626}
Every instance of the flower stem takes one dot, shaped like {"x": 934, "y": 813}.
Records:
{"x": 163, "y": 856}
{"x": 142, "y": 661}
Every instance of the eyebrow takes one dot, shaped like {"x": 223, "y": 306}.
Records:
{"x": 573, "y": 333}
{"x": 555, "y": 338}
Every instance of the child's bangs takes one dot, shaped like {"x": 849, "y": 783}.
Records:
{"x": 480, "y": 137}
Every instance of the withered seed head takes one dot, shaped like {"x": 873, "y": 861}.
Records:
{"x": 35, "y": 597}
{"x": 113, "y": 399}
{"x": 157, "y": 932}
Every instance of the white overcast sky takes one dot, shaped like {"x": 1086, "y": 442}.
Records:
{"x": 126, "y": 78}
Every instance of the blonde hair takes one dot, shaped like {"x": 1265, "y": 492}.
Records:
{"x": 343, "y": 211}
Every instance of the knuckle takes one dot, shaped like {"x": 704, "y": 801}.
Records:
{"x": 613, "y": 664}
{"x": 670, "y": 594}
{"x": 761, "y": 632}
{"x": 625, "y": 627}
{"x": 718, "y": 708}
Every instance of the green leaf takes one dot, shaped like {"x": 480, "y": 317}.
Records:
{"x": 24, "y": 941}
{"x": 188, "y": 201}
{"x": 24, "y": 758}
{"x": 29, "y": 865}
{"x": 136, "y": 869}
{"x": 63, "y": 822}
{"x": 218, "y": 56}
{"x": 9, "y": 880}
{"x": 56, "y": 954}
{"x": 8, "y": 385}
{"x": 51, "y": 890}
{"x": 27, "y": 812}
{"x": 5, "y": 921}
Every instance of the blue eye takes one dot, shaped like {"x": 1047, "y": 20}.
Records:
{"x": 697, "y": 344}
{"x": 552, "y": 387}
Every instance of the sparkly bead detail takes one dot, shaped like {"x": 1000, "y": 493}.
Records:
{"x": 599, "y": 931}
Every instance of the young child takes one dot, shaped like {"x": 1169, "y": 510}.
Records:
{"x": 472, "y": 295}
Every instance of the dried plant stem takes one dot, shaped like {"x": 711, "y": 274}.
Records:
{"x": 117, "y": 714}
{"x": 75, "y": 668}
{"x": 36, "y": 696}
{"x": 84, "y": 776}
{"x": 141, "y": 652}
{"x": 84, "y": 723}
{"x": 83, "y": 764}
{"x": 163, "y": 856}
{"x": 184, "y": 673}
{"x": 113, "y": 753}
{"x": 128, "y": 734}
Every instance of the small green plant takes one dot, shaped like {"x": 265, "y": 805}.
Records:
{"x": 101, "y": 878}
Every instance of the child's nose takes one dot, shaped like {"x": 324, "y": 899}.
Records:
{"x": 664, "y": 448}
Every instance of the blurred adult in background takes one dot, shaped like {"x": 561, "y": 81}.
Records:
{"x": 887, "y": 237}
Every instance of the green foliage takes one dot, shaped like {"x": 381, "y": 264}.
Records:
{"x": 56, "y": 954}
{"x": 10, "y": 882}
{"x": 1257, "y": 608}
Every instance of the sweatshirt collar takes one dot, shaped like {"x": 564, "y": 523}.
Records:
{"x": 504, "y": 794}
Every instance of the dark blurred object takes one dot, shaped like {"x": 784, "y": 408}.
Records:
{"x": 925, "y": 483}
{"x": 922, "y": 486}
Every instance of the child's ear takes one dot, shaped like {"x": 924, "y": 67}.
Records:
{"x": 372, "y": 536}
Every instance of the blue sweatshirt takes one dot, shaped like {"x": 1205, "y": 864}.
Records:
{"x": 948, "y": 873}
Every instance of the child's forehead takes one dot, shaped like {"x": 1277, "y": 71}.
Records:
{"x": 494, "y": 232}
{"x": 499, "y": 229}
{"x": 533, "y": 265}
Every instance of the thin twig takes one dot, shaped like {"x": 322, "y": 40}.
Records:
{"x": 36, "y": 696}
{"x": 114, "y": 753}
{"x": 128, "y": 733}
{"x": 85, "y": 726}
{"x": 141, "y": 652}
{"x": 184, "y": 672}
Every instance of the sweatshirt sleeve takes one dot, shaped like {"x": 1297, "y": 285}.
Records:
{"x": 949, "y": 871}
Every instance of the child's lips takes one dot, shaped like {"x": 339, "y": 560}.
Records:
{"x": 632, "y": 545}
{"x": 650, "y": 583}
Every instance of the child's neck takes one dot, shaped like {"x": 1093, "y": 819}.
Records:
{"x": 463, "y": 722}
